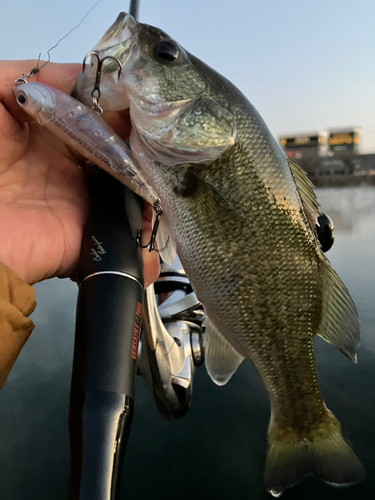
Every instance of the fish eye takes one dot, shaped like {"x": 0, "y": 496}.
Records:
{"x": 165, "y": 51}
{"x": 21, "y": 99}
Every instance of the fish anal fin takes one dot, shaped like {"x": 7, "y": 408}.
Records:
{"x": 221, "y": 359}
{"x": 340, "y": 325}
{"x": 326, "y": 454}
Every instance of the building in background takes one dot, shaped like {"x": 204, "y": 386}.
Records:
{"x": 306, "y": 148}
{"x": 343, "y": 140}
{"x": 330, "y": 157}
{"x": 298, "y": 146}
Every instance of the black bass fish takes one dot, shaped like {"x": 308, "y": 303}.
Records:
{"x": 243, "y": 217}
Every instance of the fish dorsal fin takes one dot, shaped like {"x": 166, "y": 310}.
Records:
{"x": 165, "y": 241}
{"x": 340, "y": 325}
{"x": 306, "y": 191}
{"x": 221, "y": 359}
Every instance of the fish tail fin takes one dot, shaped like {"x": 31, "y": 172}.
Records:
{"x": 324, "y": 452}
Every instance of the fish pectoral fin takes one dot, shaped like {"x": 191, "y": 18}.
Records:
{"x": 340, "y": 325}
{"x": 306, "y": 192}
{"x": 292, "y": 456}
{"x": 165, "y": 241}
{"x": 221, "y": 359}
{"x": 215, "y": 201}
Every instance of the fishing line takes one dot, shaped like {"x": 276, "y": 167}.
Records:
{"x": 38, "y": 68}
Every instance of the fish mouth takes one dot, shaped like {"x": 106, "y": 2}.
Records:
{"x": 118, "y": 35}
{"x": 113, "y": 50}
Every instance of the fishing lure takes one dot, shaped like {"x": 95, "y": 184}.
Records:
{"x": 83, "y": 130}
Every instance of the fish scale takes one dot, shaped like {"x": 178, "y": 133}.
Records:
{"x": 244, "y": 322}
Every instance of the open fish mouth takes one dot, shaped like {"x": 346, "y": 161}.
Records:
{"x": 115, "y": 44}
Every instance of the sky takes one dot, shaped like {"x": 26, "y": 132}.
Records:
{"x": 306, "y": 66}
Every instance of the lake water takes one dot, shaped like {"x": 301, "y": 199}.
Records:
{"x": 217, "y": 451}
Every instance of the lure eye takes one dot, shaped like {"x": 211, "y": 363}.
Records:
{"x": 22, "y": 99}
{"x": 166, "y": 51}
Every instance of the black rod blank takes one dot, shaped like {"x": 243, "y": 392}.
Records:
{"x": 106, "y": 340}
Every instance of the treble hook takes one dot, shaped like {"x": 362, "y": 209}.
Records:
{"x": 95, "y": 94}
{"x": 151, "y": 244}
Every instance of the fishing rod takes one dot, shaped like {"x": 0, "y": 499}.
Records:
{"x": 108, "y": 319}
{"x": 106, "y": 339}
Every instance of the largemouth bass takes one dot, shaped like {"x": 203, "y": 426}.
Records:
{"x": 243, "y": 217}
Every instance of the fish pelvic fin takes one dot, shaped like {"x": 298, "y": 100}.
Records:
{"x": 324, "y": 453}
{"x": 221, "y": 359}
{"x": 340, "y": 324}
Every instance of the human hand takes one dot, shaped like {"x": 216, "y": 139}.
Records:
{"x": 43, "y": 194}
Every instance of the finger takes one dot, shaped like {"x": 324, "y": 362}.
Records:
{"x": 151, "y": 266}
{"x": 119, "y": 121}
{"x": 147, "y": 214}
{"x": 60, "y": 76}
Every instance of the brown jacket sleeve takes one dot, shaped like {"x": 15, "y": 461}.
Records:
{"x": 17, "y": 301}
